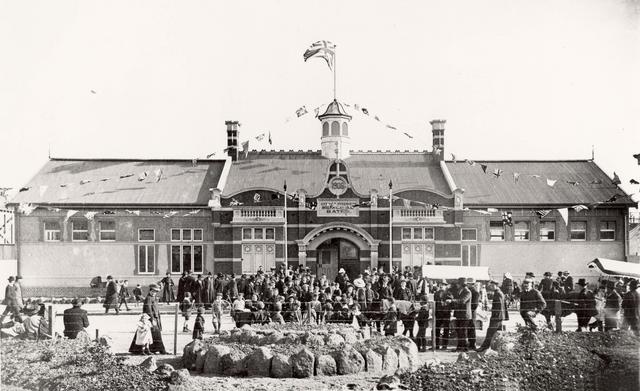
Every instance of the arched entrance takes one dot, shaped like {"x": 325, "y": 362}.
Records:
{"x": 334, "y": 245}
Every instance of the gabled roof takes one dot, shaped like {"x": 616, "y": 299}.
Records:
{"x": 309, "y": 170}
{"x": 117, "y": 182}
{"x": 531, "y": 188}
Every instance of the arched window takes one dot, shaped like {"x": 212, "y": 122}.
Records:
{"x": 345, "y": 129}
{"x": 335, "y": 128}
{"x": 325, "y": 129}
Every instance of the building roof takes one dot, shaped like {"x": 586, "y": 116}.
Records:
{"x": 122, "y": 182}
{"x": 309, "y": 170}
{"x": 592, "y": 186}
{"x": 335, "y": 108}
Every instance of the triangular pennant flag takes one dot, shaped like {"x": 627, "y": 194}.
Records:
{"x": 634, "y": 182}
{"x": 392, "y": 127}
{"x": 301, "y": 111}
{"x": 542, "y": 213}
{"x": 270, "y": 142}
{"x": 376, "y": 118}
{"x": 407, "y": 134}
{"x": 158, "y": 174}
{"x": 453, "y": 157}
{"x": 470, "y": 162}
{"x": 133, "y": 212}
{"x": 596, "y": 182}
{"x": 43, "y": 189}
{"x": 64, "y": 184}
{"x": 613, "y": 198}
{"x": 85, "y": 181}
{"x": 125, "y": 176}
{"x": 484, "y": 167}
{"x": 551, "y": 182}
{"x": 170, "y": 214}
{"x": 104, "y": 179}
{"x": 365, "y": 111}
{"x": 637, "y": 156}
{"x": 579, "y": 208}
{"x": 24, "y": 189}
{"x": 260, "y": 137}
{"x": 142, "y": 176}
{"x": 497, "y": 172}
{"x": 70, "y": 213}
{"x": 516, "y": 176}
{"x": 564, "y": 213}
{"x": 616, "y": 179}
{"x": 209, "y": 156}
{"x": 90, "y": 215}
{"x": 573, "y": 183}
{"x": 26, "y": 209}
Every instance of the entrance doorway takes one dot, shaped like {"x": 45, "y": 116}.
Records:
{"x": 337, "y": 253}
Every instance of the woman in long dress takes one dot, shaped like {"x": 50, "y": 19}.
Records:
{"x": 150, "y": 307}
{"x": 182, "y": 287}
{"x": 167, "y": 289}
{"x": 111, "y": 297}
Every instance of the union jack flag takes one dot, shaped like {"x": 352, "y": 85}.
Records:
{"x": 322, "y": 49}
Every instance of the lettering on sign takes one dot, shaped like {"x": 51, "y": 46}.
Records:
{"x": 342, "y": 207}
{"x": 338, "y": 185}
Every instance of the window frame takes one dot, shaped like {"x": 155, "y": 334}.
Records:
{"x": 541, "y": 227}
{"x": 191, "y": 231}
{"x": 181, "y": 256}
{"x": 146, "y": 240}
{"x": 46, "y": 231}
{"x": 263, "y": 234}
{"x": 146, "y": 263}
{"x": 517, "y": 237}
{"x": 100, "y": 230}
{"x": 73, "y": 231}
{"x": 475, "y": 234}
{"x": 571, "y": 231}
{"x": 600, "y": 230}
{"x": 492, "y": 238}
{"x": 467, "y": 262}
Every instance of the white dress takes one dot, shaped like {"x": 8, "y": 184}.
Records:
{"x": 143, "y": 333}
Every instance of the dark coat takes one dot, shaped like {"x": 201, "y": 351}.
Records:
{"x": 111, "y": 297}
{"x": 167, "y": 290}
{"x": 403, "y": 294}
{"x": 150, "y": 307}
{"x": 462, "y": 304}
{"x": 631, "y": 305}
{"x": 75, "y": 320}
{"x": 613, "y": 301}
{"x": 498, "y": 307}
{"x": 198, "y": 327}
{"x": 532, "y": 301}
{"x": 443, "y": 309}
{"x": 10, "y": 296}
{"x": 182, "y": 288}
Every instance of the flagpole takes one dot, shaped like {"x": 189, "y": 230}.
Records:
{"x": 390, "y": 227}
{"x": 335, "y": 55}
{"x": 284, "y": 236}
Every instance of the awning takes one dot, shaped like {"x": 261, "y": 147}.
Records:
{"x": 615, "y": 268}
{"x": 441, "y": 272}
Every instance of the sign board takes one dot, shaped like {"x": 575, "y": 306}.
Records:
{"x": 345, "y": 207}
{"x": 338, "y": 185}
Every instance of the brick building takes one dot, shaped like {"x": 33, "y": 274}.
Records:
{"x": 344, "y": 209}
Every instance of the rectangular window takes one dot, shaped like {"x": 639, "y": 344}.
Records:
{"x": 417, "y": 233}
{"x": 247, "y": 234}
{"x": 186, "y": 235}
{"x": 269, "y": 234}
{"x": 146, "y": 235}
{"x": 197, "y": 235}
{"x": 79, "y": 230}
{"x": 187, "y": 257}
{"x": 175, "y": 235}
{"x": 146, "y": 259}
{"x": 469, "y": 255}
{"x": 406, "y": 233}
{"x": 428, "y": 234}
{"x": 521, "y": 231}
{"x": 578, "y": 230}
{"x": 469, "y": 234}
{"x": 496, "y": 229}
{"x": 547, "y": 231}
{"x": 607, "y": 230}
{"x": 107, "y": 231}
{"x": 52, "y": 231}
{"x": 258, "y": 234}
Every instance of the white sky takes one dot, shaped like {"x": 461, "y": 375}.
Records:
{"x": 513, "y": 79}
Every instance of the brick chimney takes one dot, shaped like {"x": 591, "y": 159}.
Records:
{"x": 437, "y": 128}
{"x": 232, "y": 139}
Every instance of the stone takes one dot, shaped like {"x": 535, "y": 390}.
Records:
{"x": 403, "y": 359}
{"x": 334, "y": 339}
{"x": 389, "y": 358}
{"x": 411, "y": 349}
{"x": 281, "y": 366}
{"x": 149, "y": 364}
{"x": 325, "y": 365}
{"x": 200, "y": 357}
{"x": 164, "y": 371}
{"x": 247, "y": 336}
{"x": 83, "y": 337}
{"x": 349, "y": 361}
{"x": 462, "y": 357}
{"x": 274, "y": 338}
{"x": 212, "y": 359}
{"x": 107, "y": 342}
{"x": 302, "y": 363}
{"x": 291, "y": 339}
{"x": 258, "y": 362}
{"x": 373, "y": 361}
{"x": 315, "y": 340}
{"x": 258, "y": 340}
{"x": 181, "y": 376}
{"x": 432, "y": 363}
{"x": 232, "y": 363}
{"x": 189, "y": 353}
{"x": 502, "y": 342}
{"x": 489, "y": 353}
{"x": 388, "y": 382}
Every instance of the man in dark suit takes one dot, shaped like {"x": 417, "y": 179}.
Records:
{"x": 462, "y": 313}
{"x": 443, "y": 299}
{"x": 631, "y": 307}
{"x": 531, "y": 303}
{"x": 475, "y": 298}
{"x": 586, "y": 305}
{"x": 75, "y": 320}
{"x": 498, "y": 314}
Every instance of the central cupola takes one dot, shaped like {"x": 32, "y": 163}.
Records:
{"x": 335, "y": 139}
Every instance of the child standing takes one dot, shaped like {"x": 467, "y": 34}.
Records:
{"x": 217, "y": 313}
{"x": 137, "y": 294}
{"x": 423, "y": 322}
{"x": 391, "y": 321}
{"x": 198, "y": 326}
{"x": 185, "y": 308}
{"x": 143, "y": 334}
{"x": 277, "y": 315}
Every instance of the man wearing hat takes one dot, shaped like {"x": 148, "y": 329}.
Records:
{"x": 631, "y": 307}
{"x": 612, "y": 306}
{"x": 498, "y": 314}
{"x": 546, "y": 289}
{"x": 443, "y": 299}
{"x": 75, "y": 319}
{"x": 586, "y": 305}
{"x": 531, "y": 303}
{"x": 568, "y": 281}
{"x": 11, "y": 301}
{"x": 462, "y": 312}
{"x": 111, "y": 297}
{"x": 150, "y": 307}
{"x": 342, "y": 279}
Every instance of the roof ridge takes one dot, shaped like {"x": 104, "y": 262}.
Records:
{"x": 523, "y": 161}
{"x": 57, "y": 159}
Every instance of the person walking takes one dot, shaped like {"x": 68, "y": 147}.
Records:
{"x": 75, "y": 320}
{"x": 531, "y": 303}
{"x": 586, "y": 305}
{"x": 185, "y": 308}
{"x": 499, "y": 314}
{"x": 443, "y": 299}
{"x": 182, "y": 287}
{"x": 143, "y": 338}
{"x": 423, "y": 323}
{"x": 462, "y": 313}
{"x": 167, "y": 289}
{"x": 137, "y": 294}
{"x": 11, "y": 302}
{"x": 124, "y": 295}
{"x": 150, "y": 307}
{"x": 631, "y": 307}
{"x": 111, "y": 297}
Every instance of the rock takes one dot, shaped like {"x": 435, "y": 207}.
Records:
{"x": 291, "y": 338}
{"x": 432, "y": 363}
{"x": 189, "y": 353}
{"x": 315, "y": 340}
{"x": 349, "y": 361}
{"x": 503, "y": 341}
{"x": 302, "y": 363}
{"x": 181, "y": 376}
{"x": 462, "y": 357}
{"x": 411, "y": 349}
{"x": 325, "y": 365}
{"x": 274, "y": 338}
{"x": 212, "y": 359}
{"x": 246, "y": 327}
{"x": 489, "y": 353}
{"x": 83, "y": 337}
{"x": 258, "y": 362}
{"x": 149, "y": 364}
{"x": 247, "y": 336}
{"x": 388, "y": 383}
{"x": 258, "y": 340}
{"x": 349, "y": 335}
{"x": 403, "y": 359}
{"x": 281, "y": 366}
{"x": 164, "y": 371}
{"x": 389, "y": 358}
{"x": 373, "y": 361}
{"x": 232, "y": 363}
{"x": 334, "y": 339}
{"x": 200, "y": 357}
{"x": 107, "y": 342}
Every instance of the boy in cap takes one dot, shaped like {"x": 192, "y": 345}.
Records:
{"x": 217, "y": 313}
{"x": 75, "y": 319}
{"x": 423, "y": 323}
{"x": 137, "y": 294}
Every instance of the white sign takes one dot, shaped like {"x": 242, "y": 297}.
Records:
{"x": 335, "y": 207}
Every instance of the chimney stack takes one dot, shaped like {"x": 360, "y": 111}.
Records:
{"x": 437, "y": 128}
{"x": 232, "y": 139}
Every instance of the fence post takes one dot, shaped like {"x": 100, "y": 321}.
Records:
{"x": 558, "y": 315}
{"x": 175, "y": 330}
{"x": 50, "y": 318}
{"x": 97, "y": 335}
{"x": 432, "y": 305}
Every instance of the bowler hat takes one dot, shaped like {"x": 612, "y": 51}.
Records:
{"x": 547, "y": 274}
{"x": 582, "y": 282}
{"x": 444, "y": 282}
{"x": 462, "y": 280}
{"x": 611, "y": 284}
{"x": 471, "y": 280}
{"x": 11, "y": 279}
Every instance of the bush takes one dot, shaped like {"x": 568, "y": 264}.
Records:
{"x": 65, "y": 364}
